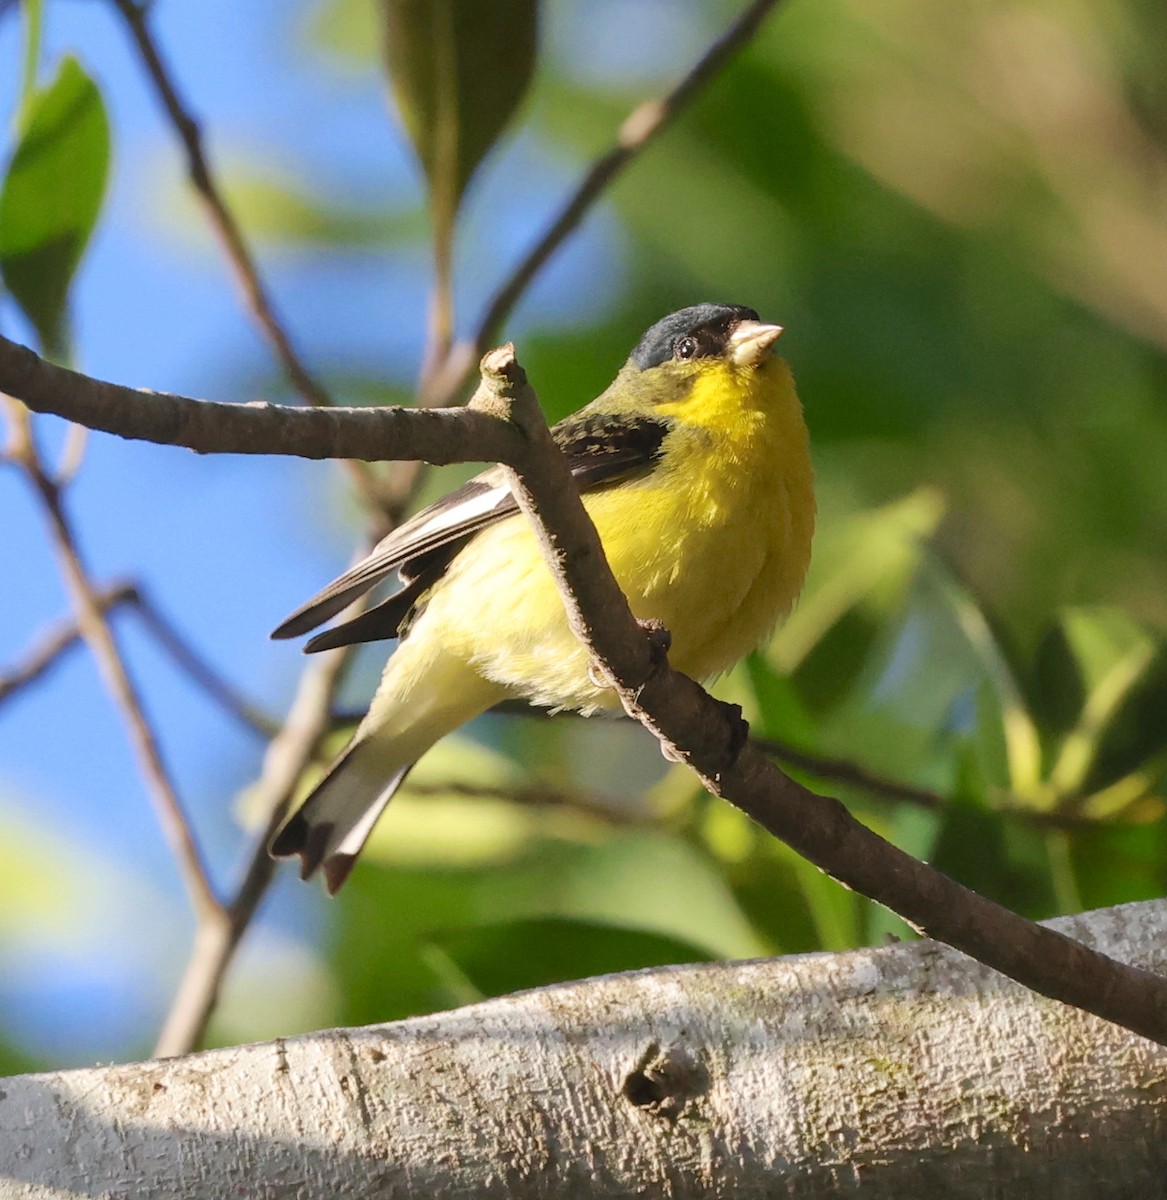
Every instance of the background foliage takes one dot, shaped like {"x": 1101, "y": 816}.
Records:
{"x": 958, "y": 212}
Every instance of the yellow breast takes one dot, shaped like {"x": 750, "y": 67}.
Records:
{"x": 714, "y": 542}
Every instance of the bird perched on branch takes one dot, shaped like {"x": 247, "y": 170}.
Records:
{"x": 694, "y": 466}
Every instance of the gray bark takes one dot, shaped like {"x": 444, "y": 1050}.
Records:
{"x": 904, "y": 1071}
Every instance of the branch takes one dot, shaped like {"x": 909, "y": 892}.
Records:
{"x": 710, "y": 736}
{"x": 200, "y": 671}
{"x": 691, "y": 726}
{"x": 537, "y": 795}
{"x": 885, "y": 1073}
{"x": 288, "y": 755}
{"x": 221, "y": 218}
{"x": 55, "y": 642}
{"x": 93, "y": 623}
{"x": 209, "y": 427}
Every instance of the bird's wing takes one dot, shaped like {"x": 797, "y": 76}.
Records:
{"x": 600, "y": 449}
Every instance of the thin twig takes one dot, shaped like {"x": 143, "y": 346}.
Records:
{"x": 56, "y": 641}
{"x": 226, "y": 227}
{"x": 51, "y": 646}
{"x": 290, "y": 753}
{"x": 833, "y": 770}
{"x": 221, "y": 217}
{"x": 94, "y": 626}
{"x": 534, "y": 795}
{"x": 636, "y": 131}
{"x": 200, "y": 671}
{"x": 840, "y": 770}
{"x": 217, "y": 940}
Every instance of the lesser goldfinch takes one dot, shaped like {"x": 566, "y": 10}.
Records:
{"x": 695, "y": 468}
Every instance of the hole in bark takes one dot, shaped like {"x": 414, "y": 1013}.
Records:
{"x": 642, "y": 1091}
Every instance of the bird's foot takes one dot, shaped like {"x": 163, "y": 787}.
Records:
{"x": 659, "y": 640}
{"x": 739, "y": 730}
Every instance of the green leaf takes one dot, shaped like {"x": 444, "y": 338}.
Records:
{"x": 346, "y": 32}
{"x": 1111, "y": 655}
{"x": 51, "y": 197}
{"x": 1001, "y": 859}
{"x": 1021, "y": 738}
{"x": 1128, "y": 760}
{"x": 653, "y": 885}
{"x": 459, "y": 69}
{"x": 1117, "y": 864}
{"x": 33, "y": 36}
{"x": 867, "y": 560}
{"x": 505, "y": 958}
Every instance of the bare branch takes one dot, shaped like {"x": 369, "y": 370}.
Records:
{"x": 55, "y": 642}
{"x": 907, "y": 1070}
{"x": 536, "y": 795}
{"x": 62, "y": 637}
{"x": 638, "y": 129}
{"x": 221, "y": 218}
{"x": 710, "y": 737}
{"x": 200, "y": 671}
{"x": 291, "y": 751}
{"x": 93, "y": 623}
{"x": 208, "y": 427}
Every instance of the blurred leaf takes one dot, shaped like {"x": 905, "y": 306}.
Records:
{"x": 1022, "y": 743}
{"x": 524, "y": 954}
{"x": 459, "y": 69}
{"x": 51, "y": 197}
{"x": 435, "y": 822}
{"x": 867, "y": 559}
{"x": 1117, "y": 864}
{"x": 33, "y": 29}
{"x": 287, "y": 210}
{"x": 648, "y": 883}
{"x": 346, "y": 30}
{"x": 1110, "y": 655}
{"x": 833, "y": 908}
{"x": 776, "y": 710}
{"x": 1002, "y": 859}
{"x": 1055, "y": 686}
{"x": 1136, "y": 737}
{"x": 14, "y": 1061}
{"x": 771, "y": 891}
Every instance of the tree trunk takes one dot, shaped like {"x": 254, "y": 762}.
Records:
{"x": 905, "y": 1071}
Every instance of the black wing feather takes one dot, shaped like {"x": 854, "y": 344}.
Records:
{"x": 600, "y": 448}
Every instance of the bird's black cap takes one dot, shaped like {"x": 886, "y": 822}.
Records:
{"x": 710, "y": 324}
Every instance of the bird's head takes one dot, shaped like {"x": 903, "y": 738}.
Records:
{"x": 730, "y": 333}
{"x": 699, "y": 342}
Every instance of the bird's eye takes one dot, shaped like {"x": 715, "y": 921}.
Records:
{"x": 686, "y": 347}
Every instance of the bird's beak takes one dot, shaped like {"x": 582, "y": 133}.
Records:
{"x": 750, "y": 342}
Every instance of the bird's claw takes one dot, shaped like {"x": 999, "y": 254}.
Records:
{"x": 597, "y": 676}
{"x": 659, "y": 639}
{"x": 739, "y": 729}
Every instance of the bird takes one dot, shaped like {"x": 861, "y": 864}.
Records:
{"x": 694, "y": 465}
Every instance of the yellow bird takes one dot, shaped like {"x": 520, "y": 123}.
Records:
{"x": 695, "y": 468}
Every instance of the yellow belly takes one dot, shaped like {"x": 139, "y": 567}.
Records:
{"x": 714, "y": 543}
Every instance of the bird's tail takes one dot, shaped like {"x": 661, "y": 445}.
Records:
{"x": 417, "y": 703}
